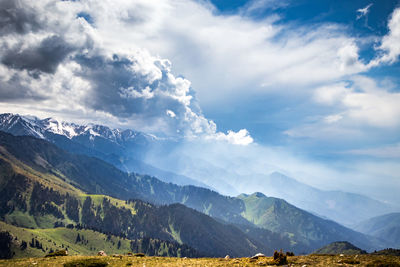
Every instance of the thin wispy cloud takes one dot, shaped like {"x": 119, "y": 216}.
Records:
{"x": 363, "y": 12}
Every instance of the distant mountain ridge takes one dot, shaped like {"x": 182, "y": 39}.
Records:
{"x": 126, "y": 150}
{"x": 305, "y": 231}
{"x": 343, "y": 207}
{"x": 386, "y": 227}
{"x": 339, "y": 206}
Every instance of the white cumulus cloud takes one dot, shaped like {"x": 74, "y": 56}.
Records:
{"x": 63, "y": 66}
{"x": 390, "y": 44}
{"x": 242, "y": 137}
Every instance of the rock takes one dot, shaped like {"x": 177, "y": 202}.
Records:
{"x": 227, "y": 257}
{"x": 101, "y": 253}
{"x": 257, "y": 256}
{"x": 304, "y": 265}
{"x": 341, "y": 255}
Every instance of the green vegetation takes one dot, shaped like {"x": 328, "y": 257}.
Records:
{"x": 341, "y": 247}
{"x": 57, "y": 239}
{"x": 46, "y": 188}
{"x": 62, "y": 252}
{"x": 303, "y": 229}
{"x": 387, "y": 252}
{"x": 279, "y": 258}
{"x": 86, "y": 263}
{"x": 27, "y": 193}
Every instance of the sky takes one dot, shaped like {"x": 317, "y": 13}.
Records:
{"x": 312, "y": 86}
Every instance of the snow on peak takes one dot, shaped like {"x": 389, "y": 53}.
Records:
{"x": 36, "y": 127}
{"x": 58, "y": 127}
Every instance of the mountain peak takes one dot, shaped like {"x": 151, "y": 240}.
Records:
{"x": 29, "y": 125}
{"x": 340, "y": 247}
{"x": 258, "y": 194}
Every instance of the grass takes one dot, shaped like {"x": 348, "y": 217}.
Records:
{"x": 310, "y": 260}
{"x": 61, "y": 238}
{"x": 97, "y": 200}
{"x": 175, "y": 234}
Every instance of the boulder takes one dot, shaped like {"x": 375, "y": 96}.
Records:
{"x": 258, "y": 255}
{"x": 101, "y": 253}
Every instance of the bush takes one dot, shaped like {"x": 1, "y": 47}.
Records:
{"x": 62, "y": 252}
{"x": 280, "y": 258}
{"x": 139, "y": 255}
{"x": 86, "y": 263}
{"x": 350, "y": 261}
{"x": 289, "y": 253}
{"x": 5, "y": 245}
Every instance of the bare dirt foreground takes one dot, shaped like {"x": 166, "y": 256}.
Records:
{"x": 303, "y": 261}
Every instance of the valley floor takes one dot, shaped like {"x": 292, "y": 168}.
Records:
{"x": 310, "y": 260}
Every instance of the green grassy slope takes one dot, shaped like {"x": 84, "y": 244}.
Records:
{"x": 98, "y": 177}
{"x": 343, "y": 247}
{"x": 85, "y": 242}
{"x": 304, "y": 229}
{"x": 43, "y": 197}
{"x": 64, "y": 238}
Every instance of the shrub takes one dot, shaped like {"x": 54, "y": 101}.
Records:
{"x": 86, "y": 263}
{"x": 280, "y": 258}
{"x": 350, "y": 261}
{"x": 62, "y": 252}
{"x": 5, "y": 245}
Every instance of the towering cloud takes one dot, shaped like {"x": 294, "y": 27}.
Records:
{"x": 54, "y": 62}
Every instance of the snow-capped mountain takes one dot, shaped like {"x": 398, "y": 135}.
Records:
{"x": 125, "y": 149}
{"x": 28, "y": 125}
{"x": 18, "y": 125}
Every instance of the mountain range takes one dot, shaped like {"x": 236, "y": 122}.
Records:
{"x": 127, "y": 149}
{"x": 386, "y": 226}
{"x": 42, "y": 184}
{"x": 40, "y": 193}
{"x": 124, "y": 149}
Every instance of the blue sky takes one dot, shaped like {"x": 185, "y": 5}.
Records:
{"x": 315, "y": 82}
{"x": 268, "y": 121}
{"x": 268, "y": 116}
